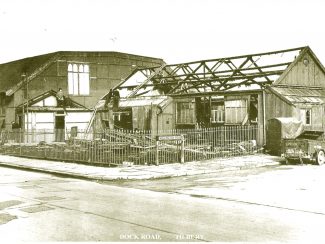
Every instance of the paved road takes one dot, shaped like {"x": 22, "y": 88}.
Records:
{"x": 297, "y": 187}
{"x": 253, "y": 205}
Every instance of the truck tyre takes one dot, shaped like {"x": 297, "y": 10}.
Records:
{"x": 320, "y": 157}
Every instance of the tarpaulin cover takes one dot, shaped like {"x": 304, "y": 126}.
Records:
{"x": 290, "y": 127}
{"x": 281, "y": 128}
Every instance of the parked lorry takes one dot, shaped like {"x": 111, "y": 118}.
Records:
{"x": 290, "y": 138}
{"x": 308, "y": 146}
{"x": 278, "y": 129}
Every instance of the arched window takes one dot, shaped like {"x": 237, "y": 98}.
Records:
{"x": 78, "y": 79}
{"x": 81, "y": 68}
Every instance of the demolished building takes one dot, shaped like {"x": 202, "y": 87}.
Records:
{"x": 231, "y": 91}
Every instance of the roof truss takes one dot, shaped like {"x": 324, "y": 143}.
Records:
{"x": 213, "y": 75}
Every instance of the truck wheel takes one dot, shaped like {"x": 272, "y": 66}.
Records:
{"x": 320, "y": 157}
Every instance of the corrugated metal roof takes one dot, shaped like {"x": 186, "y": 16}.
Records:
{"x": 305, "y": 95}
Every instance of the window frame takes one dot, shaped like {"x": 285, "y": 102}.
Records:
{"x": 217, "y": 112}
{"x": 191, "y": 111}
{"x": 239, "y": 110}
{"x": 304, "y": 116}
{"x": 78, "y": 79}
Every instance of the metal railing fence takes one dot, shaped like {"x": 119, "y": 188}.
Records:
{"x": 118, "y": 147}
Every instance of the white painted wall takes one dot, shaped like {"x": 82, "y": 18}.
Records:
{"x": 39, "y": 121}
{"x": 40, "y": 125}
{"x": 79, "y": 119}
{"x": 47, "y": 102}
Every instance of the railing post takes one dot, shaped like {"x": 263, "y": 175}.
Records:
{"x": 157, "y": 152}
{"x": 182, "y": 150}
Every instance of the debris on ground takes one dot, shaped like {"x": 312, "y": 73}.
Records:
{"x": 120, "y": 148}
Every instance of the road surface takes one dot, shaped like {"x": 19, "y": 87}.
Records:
{"x": 282, "y": 203}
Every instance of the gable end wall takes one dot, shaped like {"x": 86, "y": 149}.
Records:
{"x": 305, "y": 75}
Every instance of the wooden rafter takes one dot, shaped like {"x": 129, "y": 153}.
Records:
{"x": 215, "y": 74}
{"x": 259, "y": 69}
{"x": 248, "y": 77}
{"x": 134, "y": 92}
{"x": 225, "y": 72}
{"x": 235, "y": 71}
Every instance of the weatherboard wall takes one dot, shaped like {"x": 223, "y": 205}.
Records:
{"x": 305, "y": 72}
{"x": 277, "y": 107}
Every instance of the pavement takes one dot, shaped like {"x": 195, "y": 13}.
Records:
{"x": 137, "y": 172}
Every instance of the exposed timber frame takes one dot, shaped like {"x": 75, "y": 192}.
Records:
{"x": 214, "y": 75}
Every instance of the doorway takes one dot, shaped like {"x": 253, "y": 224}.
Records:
{"x": 59, "y": 127}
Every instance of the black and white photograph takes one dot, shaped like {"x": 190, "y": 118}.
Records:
{"x": 162, "y": 121}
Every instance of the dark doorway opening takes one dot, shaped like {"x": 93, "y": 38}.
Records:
{"x": 59, "y": 127}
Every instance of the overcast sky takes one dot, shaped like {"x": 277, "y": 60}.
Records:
{"x": 175, "y": 30}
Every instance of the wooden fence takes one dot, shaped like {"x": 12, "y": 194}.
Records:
{"x": 118, "y": 147}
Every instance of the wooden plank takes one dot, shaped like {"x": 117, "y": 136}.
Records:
{"x": 134, "y": 92}
{"x": 245, "y": 56}
{"x": 32, "y": 75}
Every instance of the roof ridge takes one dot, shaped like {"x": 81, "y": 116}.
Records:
{"x": 67, "y": 52}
